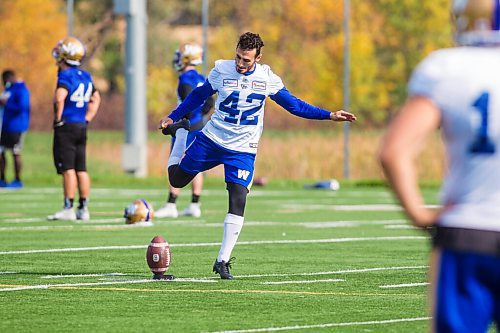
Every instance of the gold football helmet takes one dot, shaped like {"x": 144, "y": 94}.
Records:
{"x": 477, "y": 21}
{"x": 138, "y": 211}
{"x": 187, "y": 54}
{"x": 69, "y": 50}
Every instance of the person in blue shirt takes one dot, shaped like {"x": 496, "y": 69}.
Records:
{"x": 186, "y": 58}
{"x": 76, "y": 102}
{"x": 15, "y": 101}
{"x": 231, "y": 136}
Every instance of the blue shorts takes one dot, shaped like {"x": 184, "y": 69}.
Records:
{"x": 467, "y": 293}
{"x": 204, "y": 154}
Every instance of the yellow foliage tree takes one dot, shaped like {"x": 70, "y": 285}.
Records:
{"x": 30, "y": 29}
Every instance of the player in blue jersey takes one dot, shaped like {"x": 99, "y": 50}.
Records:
{"x": 457, "y": 90}
{"x": 186, "y": 58}
{"x": 76, "y": 102}
{"x": 15, "y": 101}
{"x": 232, "y": 135}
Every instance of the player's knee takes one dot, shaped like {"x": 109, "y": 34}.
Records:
{"x": 237, "y": 198}
{"x": 177, "y": 177}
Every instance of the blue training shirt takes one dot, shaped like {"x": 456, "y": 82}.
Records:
{"x": 193, "y": 79}
{"x": 80, "y": 88}
{"x": 16, "y": 115}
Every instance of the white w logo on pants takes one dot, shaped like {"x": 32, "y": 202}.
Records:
{"x": 243, "y": 174}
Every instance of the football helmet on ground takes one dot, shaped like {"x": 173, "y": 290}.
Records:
{"x": 138, "y": 211}
{"x": 69, "y": 50}
{"x": 477, "y": 22}
{"x": 187, "y": 54}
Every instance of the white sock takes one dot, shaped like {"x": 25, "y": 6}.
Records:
{"x": 232, "y": 228}
{"x": 179, "y": 147}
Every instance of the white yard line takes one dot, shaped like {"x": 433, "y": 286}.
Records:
{"x": 348, "y": 208}
{"x": 199, "y": 280}
{"x": 62, "y": 276}
{"x": 405, "y": 285}
{"x": 120, "y": 222}
{"x": 345, "y": 271}
{"x": 302, "y": 282}
{"x": 407, "y": 226}
{"x": 90, "y": 284}
{"x": 291, "y": 241}
{"x": 302, "y": 327}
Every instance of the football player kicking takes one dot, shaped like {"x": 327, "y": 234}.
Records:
{"x": 75, "y": 104}
{"x": 457, "y": 90}
{"x": 233, "y": 132}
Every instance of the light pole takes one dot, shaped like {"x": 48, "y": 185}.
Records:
{"x": 204, "y": 22}
{"x": 347, "y": 83}
{"x": 69, "y": 8}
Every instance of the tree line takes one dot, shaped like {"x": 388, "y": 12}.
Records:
{"x": 304, "y": 45}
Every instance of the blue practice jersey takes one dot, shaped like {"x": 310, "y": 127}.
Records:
{"x": 80, "y": 88}
{"x": 16, "y": 116}
{"x": 193, "y": 79}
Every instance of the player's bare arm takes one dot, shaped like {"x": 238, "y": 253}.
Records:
{"x": 94, "y": 102}
{"x": 59, "y": 98}
{"x": 400, "y": 146}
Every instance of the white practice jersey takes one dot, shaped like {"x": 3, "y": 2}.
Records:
{"x": 465, "y": 84}
{"x": 238, "y": 119}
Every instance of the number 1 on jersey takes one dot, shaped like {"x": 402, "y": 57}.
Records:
{"x": 482, "y": 143}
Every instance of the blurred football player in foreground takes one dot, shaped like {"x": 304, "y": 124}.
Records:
{"x": 15, "y": 101}
{"x": 186, "y": 58}
{"x": 457, "y": 90}
{"x": 232, "y": 135}
{"x": 76, "y": 102}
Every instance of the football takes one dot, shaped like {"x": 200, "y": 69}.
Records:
{"x": 158, "y": 255}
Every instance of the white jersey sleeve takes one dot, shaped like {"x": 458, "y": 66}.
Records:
{"x": 465, "y": 86}
{"x": 237, "y": 121}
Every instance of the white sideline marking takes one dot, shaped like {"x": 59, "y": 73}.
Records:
{"x": 8, "y": 273}
{"x": 405, "y": 285}
{"x": 79, "y": 275}
{"x": 300, "y": 327}
{"x": 291, "y": 241}
{"x": 303, "y": 281}
{"x": 88, "y": 284}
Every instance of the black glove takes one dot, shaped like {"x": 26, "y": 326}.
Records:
{"x": 57, "y": 124}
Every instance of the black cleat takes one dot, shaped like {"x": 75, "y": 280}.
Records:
{"x": 222, "y": 268}
{"x": 163, "y": 277}
{"x": 172, "y": 128}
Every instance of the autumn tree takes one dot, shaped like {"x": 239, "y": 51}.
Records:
{"x": 30, "y": 29}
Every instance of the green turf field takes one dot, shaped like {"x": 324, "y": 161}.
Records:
{"x": 307, "y": 260}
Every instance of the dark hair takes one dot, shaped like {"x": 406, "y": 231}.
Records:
{"x": 8, "y": 74}
{"x": 250, "y": 41}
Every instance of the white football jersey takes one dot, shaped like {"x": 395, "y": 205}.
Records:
{"x": 465, "y": 84}
{"x": 238, "y": 119}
